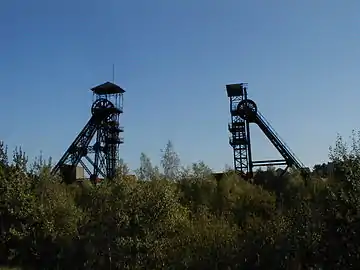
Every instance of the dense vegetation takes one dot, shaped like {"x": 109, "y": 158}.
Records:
{"x": 181, "y": 218}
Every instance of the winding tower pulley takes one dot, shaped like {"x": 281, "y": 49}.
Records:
{"x": 96, "y": 147}
{"x": 243, "y": 112}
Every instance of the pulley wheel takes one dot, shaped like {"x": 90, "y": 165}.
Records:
{"x": 101, "y": 104}
{"x": 247, "y": 110}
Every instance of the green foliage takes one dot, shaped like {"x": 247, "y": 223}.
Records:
{"x": 181, "y": 218}
{"x": 170, "y": 162}
{"x": 147, "y": 171}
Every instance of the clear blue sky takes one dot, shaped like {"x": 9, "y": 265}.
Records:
{"x": 174, "y": 58}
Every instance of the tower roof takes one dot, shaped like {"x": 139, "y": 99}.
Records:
{"x": 234, "y": 90}
{"x": 107, "y": 88}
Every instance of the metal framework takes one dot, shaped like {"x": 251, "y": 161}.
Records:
{"x": 244, "y": 111}
{"x": 104, "y": 130}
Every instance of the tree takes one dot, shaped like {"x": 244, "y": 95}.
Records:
{"x": 170, "y": 162}
{"x": 147, "y": 171}
{"x": 3, "y": 154}
{"x": 20, "y": 159}
{"x": 122, "y": 169}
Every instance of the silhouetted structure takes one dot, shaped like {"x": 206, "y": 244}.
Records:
{"x": 104, "y": 127}
{"x": 243, "y": 112}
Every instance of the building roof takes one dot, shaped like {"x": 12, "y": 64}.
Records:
{"x": 234, "y": 90}
{"x": 107, "y": 88}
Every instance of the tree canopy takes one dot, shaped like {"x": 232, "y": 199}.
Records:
{"x": 181, "y": 217}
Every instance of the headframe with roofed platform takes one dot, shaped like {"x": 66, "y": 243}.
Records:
{"x": 96, "y": 148}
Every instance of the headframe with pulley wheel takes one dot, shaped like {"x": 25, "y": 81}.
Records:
{"x": 243, "y": 112}
{"x": 104, "y": 128}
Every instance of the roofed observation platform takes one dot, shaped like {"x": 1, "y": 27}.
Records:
{"x": 236, "y": 89}
{"x": 112, "y": 93}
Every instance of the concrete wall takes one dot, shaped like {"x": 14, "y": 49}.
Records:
{"x": 80, "y": 173}
{"x": 71, "y": 174}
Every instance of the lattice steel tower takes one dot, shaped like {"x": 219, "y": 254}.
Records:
{"x": 104, "y": 130}
{"x": 244, "y": 111}
{"x": 240, "y": 130}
